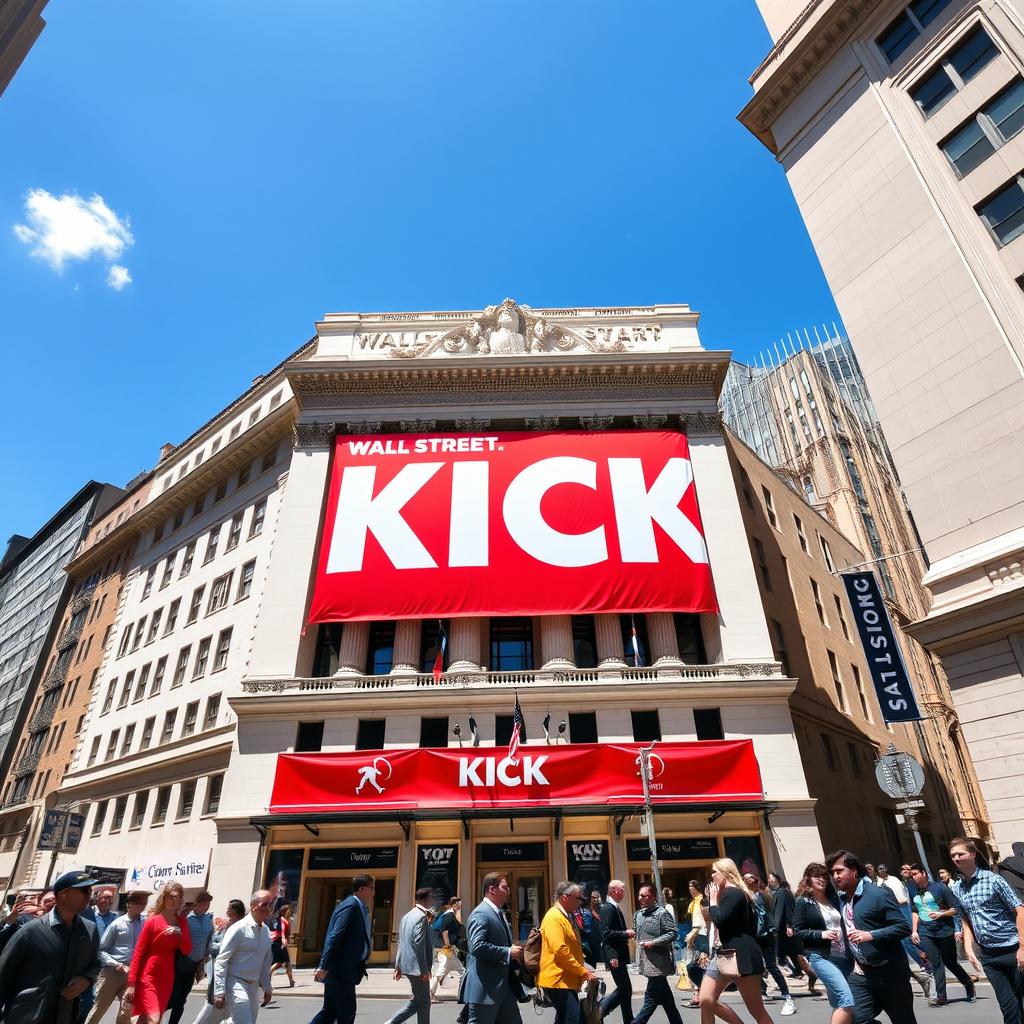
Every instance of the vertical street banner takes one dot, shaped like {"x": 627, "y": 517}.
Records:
{"x": 878, "y": 639}
{"x": 437, "y": 865}
{"x": 588, "y": 864}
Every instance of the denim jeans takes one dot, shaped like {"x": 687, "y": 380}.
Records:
{"x": 833, "y": 972}
{"x": 1000, "y": 966}
{"x": 566, "y": 1004}
{"x": 941, "y": 953}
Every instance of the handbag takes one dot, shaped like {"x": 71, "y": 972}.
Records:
{"x": 726, "y": 963}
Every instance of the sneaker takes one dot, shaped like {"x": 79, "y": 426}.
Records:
{"x": 972, "y": 995}
{"x": 788, "y": 1009}
{"x": 938, "y": 1001}
{"x": 925, "y": 981}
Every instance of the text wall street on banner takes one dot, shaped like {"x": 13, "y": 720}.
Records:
{"x": 885, "y": 660}
{"x": 605, "y": 774}
{"x": 424, "y": 526}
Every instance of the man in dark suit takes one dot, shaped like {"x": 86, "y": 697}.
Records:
{"x": 52, "y": 960}
{"x": 873, "y": 929}
{"x": 490, "y": 986}
{"x": 346, "y": 950}
{"x": 616, "y": 952}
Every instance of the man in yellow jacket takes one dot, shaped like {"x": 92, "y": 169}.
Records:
{"x": 562, "y": 971}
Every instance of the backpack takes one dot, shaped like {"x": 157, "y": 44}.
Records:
{"x": 531, "y": 952}
{"x": 764, "y": 925}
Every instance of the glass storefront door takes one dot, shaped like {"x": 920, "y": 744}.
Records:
{"x": 529, "y": 901}
{"x": 322, "y": 896}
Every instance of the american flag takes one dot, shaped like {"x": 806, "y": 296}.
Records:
{"x": 441, "y": 647}
{"x": 518, "y": 733}
{"x": 637, "y": 660}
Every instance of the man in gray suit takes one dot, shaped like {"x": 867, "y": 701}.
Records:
{"x": 52, "y": 960}
{"x": 414, "y": 958}
{"x": 491, "y": 985}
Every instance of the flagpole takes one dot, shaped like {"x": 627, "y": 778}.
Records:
{"x": 645, "y": 763}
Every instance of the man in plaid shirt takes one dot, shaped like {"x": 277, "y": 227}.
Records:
{"x": 993, "y": 928}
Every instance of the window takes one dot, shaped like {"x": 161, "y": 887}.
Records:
{"x": 689, "y": 638}
{"x": 196, "y": 604}
{"x": 780, "y": 647}
{"x": 154, "y": 625}
{"x": 182, "y": 666}
{"x": 172, "y": 615}
{"x": 253, "y": 416}
{"x": 837, "y": 682}
{"x": 188, "y": 726}
{"x": 708, "y": 722}
{"x": 147, "y": 733}
{"x": 809, "y": 492}
{"x": 583, "y": 727}
{"x": 148, "y": 588}
{"x": 1003, "y": 213}
{"x": 904, "y": 29}
{"x": 186, "y": 560}
{"x": 112, "y": 745}
{"x": 370, "y": 734}
{"x": 179, "y": 518}
{"x": 140, "y": 629}
{"x": 126, "y": 743}
{"x": 380, "y": 651}
{"x": 865, "y": 708}
{"x": 646, "y": 726}
{"x": 169, "y": 721}
{"x": 851, "y": 749}
{"x": 220, "y": 658}
{"x": 259, "y": 513}
{"x": 830, "y": 753}
{"x": 309, "y": 737}
{"x": 769, "y": 507}
{"x": 511, "y": 644}
{"x": 955, "y": 70}
{"x": 268, "y": 460}
{"x": 219, "y": 591}
{"x": 186, "y": 800}
{"x": 215, "y": 447}
{"x": 816, "y": 591}
{"x": 826, "y": 553}
{"x": 221, "y": 493}
{"x": 101, "y": 813}
{"x": 627, "y": 624}
{"x": 234, "y": 532}
{"x": 994, "y": 125}
{"x": 120, "y": 807}
{"x": 108, "y": 701}
{"x": 235, "y": 430}
{"x": 158, "y": 676}
{"x": 197, "y": 508}
{"x": 163, "y": 802}
{"x": 211, "y": 545}
{"x": 762, "y": 563}
{"x": 502, "y": 730}
{"x": 430, "y": 640}
{"x": 275, "y": 400}
{"x": 584, "y": 641}
{"x": 245, "y": 580}
{"x": 165, "y": 579}
{"x": 126, "y": 691}
{"x": 841, "y": 617}
{"x": 139, "y": 810}
{"x": 328, "y": 647}
{"x": 202, "y": 657}
{"x": 212, "y": 712}
{"x": 214, "y": 786}
{"x": 126, "y": 639}
{"x": 800, "y": 533}
{"x": 243, "y": 475}
{"x": 94, "y": 752}
{"x": 434, "y": 731}
{"x": 140, "y": 686}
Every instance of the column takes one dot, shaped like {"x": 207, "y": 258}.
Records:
{"x": 352, "y": 657}
{"x": 407, "y": 647}
{"x": 661, "y": 631}
{"x": 465, "y": 642}
{"x": 556, "y": 642}
{"x": 609, "y": 642}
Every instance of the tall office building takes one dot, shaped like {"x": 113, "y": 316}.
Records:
{"x": 898, "y": 127}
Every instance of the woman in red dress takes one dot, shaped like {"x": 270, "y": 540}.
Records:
{"x": 151, "y": 976}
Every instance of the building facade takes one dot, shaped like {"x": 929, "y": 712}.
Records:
{"x": 810, "y": 417}
{"x": 21, "y": 23}
{"x": 898, "y": 127}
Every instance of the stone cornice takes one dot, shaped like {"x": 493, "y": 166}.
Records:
{"x": 277, "y": 424}
{"x": 820, "y": 31}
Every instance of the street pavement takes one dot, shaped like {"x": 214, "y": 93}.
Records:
{"x": 299, "y": 1005}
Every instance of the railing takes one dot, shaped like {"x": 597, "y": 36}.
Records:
{"x": 56, "y": 676}
{"x": 28, "y": 763}
{"x": 673, "y": 673}
{"x": 83, "y": 600}
{"x": 70, "y": 635}
{"x": 43, "y": 717}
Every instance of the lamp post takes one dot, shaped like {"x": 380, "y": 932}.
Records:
{"x": 645, "y": 774}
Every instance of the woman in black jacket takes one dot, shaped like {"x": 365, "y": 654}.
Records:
{"x": 818, "y": 926}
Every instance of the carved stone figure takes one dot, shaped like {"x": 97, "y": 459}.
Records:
{"x": 506, "y": 338}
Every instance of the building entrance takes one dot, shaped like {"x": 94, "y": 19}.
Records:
{"x": 322, "y": 896}
{"x": 677, "y": 878}
{"x": 529, "y": 900}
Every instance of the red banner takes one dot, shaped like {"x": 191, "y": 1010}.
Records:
{"x": 426, "y": 526}
{"x": 599, "y": 774}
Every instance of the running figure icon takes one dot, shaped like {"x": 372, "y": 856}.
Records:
{"x": 371, "y": 773}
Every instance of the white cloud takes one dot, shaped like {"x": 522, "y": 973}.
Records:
{"x": 118, "y": 277}
{"x": 66, "y": 228}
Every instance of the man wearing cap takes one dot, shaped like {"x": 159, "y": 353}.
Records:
{"x": 188, "y": 969}
{"x": 51, "y": 961}
{"x": 116, "y": 948}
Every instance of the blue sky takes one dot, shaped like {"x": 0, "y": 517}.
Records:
{"x": 256, "y": 169}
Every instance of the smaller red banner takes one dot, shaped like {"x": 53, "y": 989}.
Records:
{"x": 599, "y": 774}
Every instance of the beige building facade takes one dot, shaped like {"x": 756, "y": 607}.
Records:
{"x": 898, "y": 127}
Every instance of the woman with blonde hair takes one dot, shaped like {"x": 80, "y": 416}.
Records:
{"x": 730, "y": 908}
{"x": 151, "y": 975}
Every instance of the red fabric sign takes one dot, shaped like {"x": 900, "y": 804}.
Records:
{"x": 437, "y": 525}
{"x": 601, "y": 774}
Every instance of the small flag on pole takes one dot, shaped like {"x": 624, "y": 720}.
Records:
{"x": 518, "y": 733}
{"x": 442, "y": 645}
{"x": 637, "y": 660}
{"x": 547, "y": 727}
{"x": 474, "y": 732}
